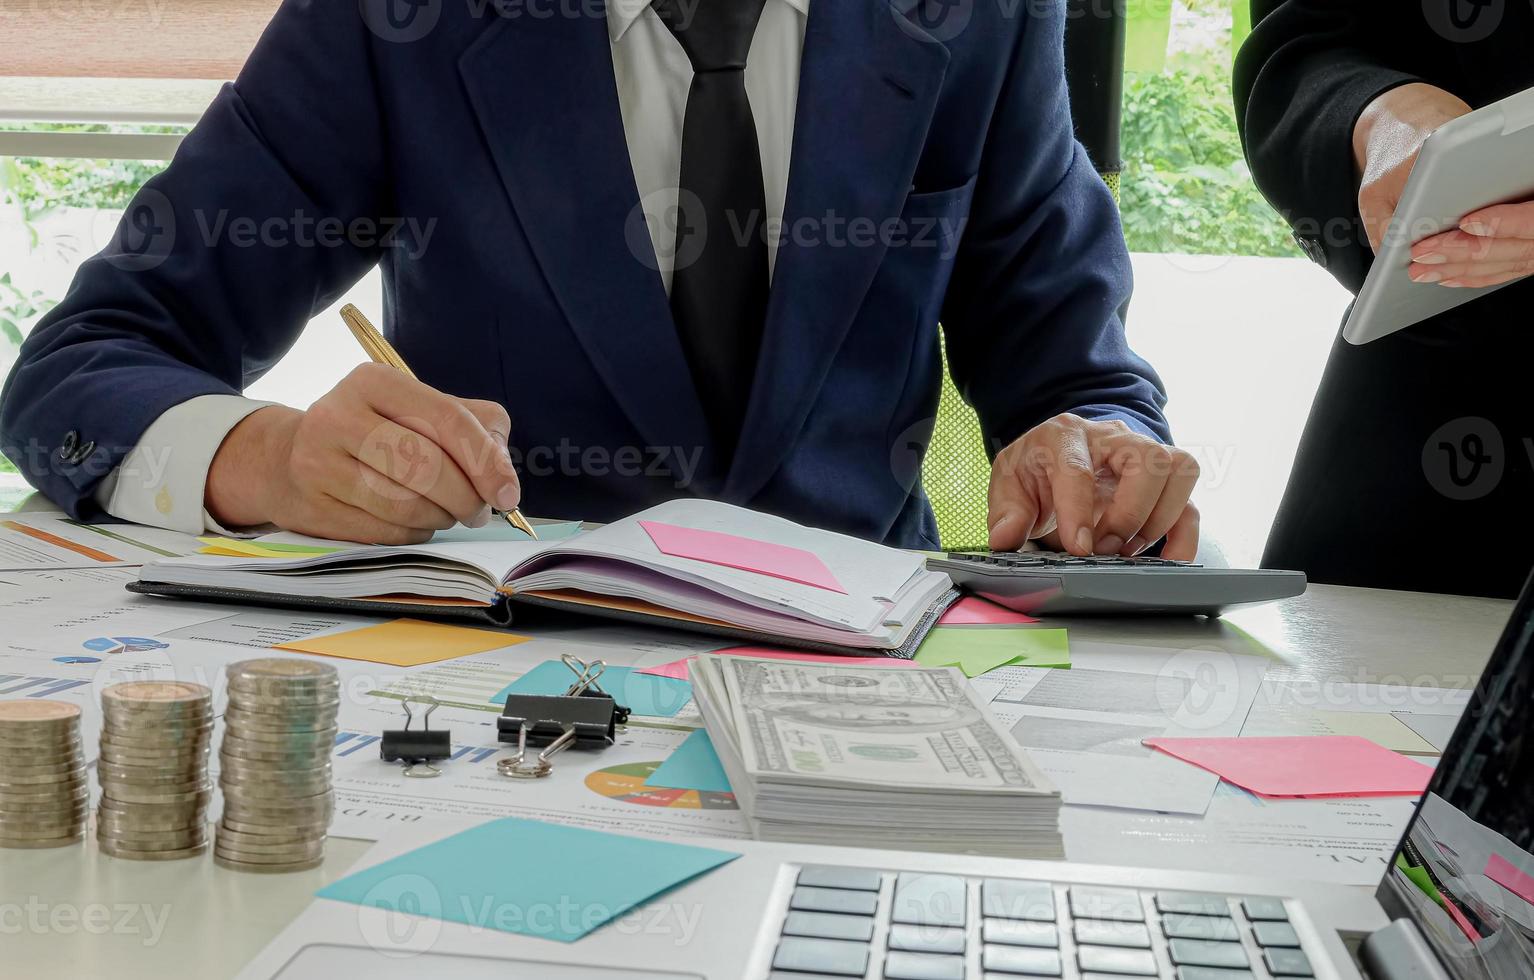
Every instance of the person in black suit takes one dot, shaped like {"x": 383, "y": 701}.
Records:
{"x": 1418, "y": 456}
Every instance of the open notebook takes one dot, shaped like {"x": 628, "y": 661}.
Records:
{"x": 692, "y": 564}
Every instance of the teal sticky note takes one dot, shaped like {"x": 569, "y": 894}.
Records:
{"x": 528, "y": 877}
{"x": 499, "y": 530}
{"x": 643, "y": 694}
{"x": 692, "y": 765}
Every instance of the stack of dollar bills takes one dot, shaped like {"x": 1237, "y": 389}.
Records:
{"x": 882, "y": 756}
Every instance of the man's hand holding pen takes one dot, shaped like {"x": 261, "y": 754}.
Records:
{"x": 382, "y": 458}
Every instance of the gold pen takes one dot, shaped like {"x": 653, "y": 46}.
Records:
{"x": 383, "y": 352}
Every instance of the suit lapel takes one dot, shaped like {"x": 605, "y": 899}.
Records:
{"x": 867, "y": 87}
{"x": 544, "y": 94}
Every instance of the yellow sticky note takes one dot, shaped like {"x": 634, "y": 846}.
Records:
{"x": 1379, "y": 727}
{"x": 405, "y": 643}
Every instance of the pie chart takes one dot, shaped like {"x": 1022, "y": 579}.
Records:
{"x": 627, "y": 783}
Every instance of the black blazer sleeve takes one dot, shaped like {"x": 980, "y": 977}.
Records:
{"x": 1302, "y": 79}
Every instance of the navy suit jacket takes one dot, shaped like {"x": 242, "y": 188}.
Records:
{"x": 476, "y": 150}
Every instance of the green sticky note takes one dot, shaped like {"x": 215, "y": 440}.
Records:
{"x": 977, "y": 649}
{"x": 528, "y": 877}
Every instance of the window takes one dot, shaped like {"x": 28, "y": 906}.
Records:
{"x": 1241, "y": 373}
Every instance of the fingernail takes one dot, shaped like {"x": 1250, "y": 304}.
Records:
{"x": 480, "y": 519}
{"x": 1084, "y": 540}
{"x": 1430, "y": 258}
{"x": 1453, "y": 283}
{"x": 1108, "y": 544}
{"x": 1136, "y": 545}
{"x": 1476, "y": 228}
{"x": 507, "y": 498}
{"x": 1426, "y": 275}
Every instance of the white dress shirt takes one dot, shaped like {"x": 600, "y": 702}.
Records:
{"x": 161, "y": 482}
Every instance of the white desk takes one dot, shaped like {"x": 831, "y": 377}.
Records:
{"x": 215, "y": 920}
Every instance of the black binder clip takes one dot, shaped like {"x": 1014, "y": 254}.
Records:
{"x": 585, "y": 717}
{"x": 417, "y": 748}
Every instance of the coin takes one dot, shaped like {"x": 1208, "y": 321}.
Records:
{"x": 10, "y": 781}
{"x": 240, "y": 750}
{"x": 281, "y": 836}
{"x": 39, "y": 844}
{"x": 164, "y": 694}
{"x": 273, "y": 855}
{"x": 51, "y": 825}
{"x": 246, "y": 724}
{"x": 263, "y": 830}
{"x": 135, "y": 854}
{"x": 21, "y": 802}
{"x": 157, "y": 840}
{"x": 124, "y": 794}
{"x": 140, "y": 757}
{"x": 287, "y": 670}
{"x": 253, "y": 868}
{"x": 62, "y": 765}
{"x": 38, "y": 714}
{"x": 264, "y": 737}
{"x": 138, "y": 822}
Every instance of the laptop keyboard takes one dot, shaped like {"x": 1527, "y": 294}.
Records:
{"x": 1055, "y": 560}
{"x": 862, "y": 922}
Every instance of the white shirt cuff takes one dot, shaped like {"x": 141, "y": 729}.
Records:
{"x": 161, "y": 482}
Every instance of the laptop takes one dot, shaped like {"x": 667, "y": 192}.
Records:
{"x": 1457, "y": 902}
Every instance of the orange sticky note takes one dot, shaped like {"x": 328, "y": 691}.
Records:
{"x": 405, "y": 643}
{"x": 1303, "y": 765}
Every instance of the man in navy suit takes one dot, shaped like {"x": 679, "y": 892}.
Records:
{"x": 632, "y": 251}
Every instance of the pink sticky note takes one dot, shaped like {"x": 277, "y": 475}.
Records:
{"x": 746, "y": 554}
{"x": 1515, "y": 880}
{"x": 1302, "y": 766}
{"x": 679, "y": 668}
{"x": 676, "y": 669}
{"x": 971, "y": 611}
{"x": 1460, "y": 920}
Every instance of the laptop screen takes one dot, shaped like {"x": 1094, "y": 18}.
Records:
{"x": 1465, "y": 871}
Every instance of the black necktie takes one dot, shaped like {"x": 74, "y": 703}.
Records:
{"x": 719, "y": 284}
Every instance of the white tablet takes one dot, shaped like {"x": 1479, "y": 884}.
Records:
{"x": 1480, "y": 159}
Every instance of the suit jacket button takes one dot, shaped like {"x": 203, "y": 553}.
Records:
{"x": 71, "y": 443}
{"x": 1313, "y": 249}
{"x": 83, "y": 452}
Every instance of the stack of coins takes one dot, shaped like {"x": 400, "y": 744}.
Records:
{"x": 274, "y": 762}
{"x": 44, "y": 795}
{"x": 153, "y": 770}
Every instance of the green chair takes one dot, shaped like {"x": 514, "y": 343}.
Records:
{"x": 956, "y": 470}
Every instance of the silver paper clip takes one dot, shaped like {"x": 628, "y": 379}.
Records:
{"x": 584, "y": 715}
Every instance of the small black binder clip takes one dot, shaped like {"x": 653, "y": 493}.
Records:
{"x": 585, "y": 717}
{"x": 417, "y": 748}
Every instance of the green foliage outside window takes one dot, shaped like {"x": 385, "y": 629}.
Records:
{"x": 1185, "y": 186}
{"x": 32, "y": 188}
